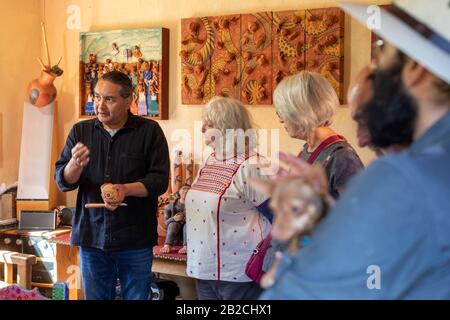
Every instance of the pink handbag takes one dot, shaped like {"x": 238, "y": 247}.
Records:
{"x": 253, "y": 270}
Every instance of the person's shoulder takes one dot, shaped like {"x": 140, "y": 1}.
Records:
{"x": 142, "y": 121}
{"x": 389, "y": 170}
{"x": 344, "y": 148}
{"x": 86, "y": 123}
{"x": 147, "y": 125}
{"x": 255, "y": 165}
{"x": 400, "y": 161}
{"x": 83, "y": 125}
{"x": 378, "y": 191}
{"x": 253, "y": 160}
{"x": 343, "y": 155}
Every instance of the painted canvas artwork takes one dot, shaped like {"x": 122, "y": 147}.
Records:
{"x": 142, "y": 54}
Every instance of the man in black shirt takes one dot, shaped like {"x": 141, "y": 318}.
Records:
{"x": 130, "y": 152}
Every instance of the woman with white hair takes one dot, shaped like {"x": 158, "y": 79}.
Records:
{"x": 224, "y": 217}
{"x": 306, "y": 103}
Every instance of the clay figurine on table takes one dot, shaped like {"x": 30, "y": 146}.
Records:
{"x": 175, "y": 216}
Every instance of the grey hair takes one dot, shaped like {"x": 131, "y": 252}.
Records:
{"x": 230, "y": 115}
{"x": 306, "y": 100}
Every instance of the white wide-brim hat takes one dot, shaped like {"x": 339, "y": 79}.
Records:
{"x": 419, "y": 28}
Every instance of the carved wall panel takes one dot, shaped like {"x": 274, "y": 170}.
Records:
{"x": 246, "y": 56}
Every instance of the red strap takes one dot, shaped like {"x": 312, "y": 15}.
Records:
{"x": 325, "y": 143}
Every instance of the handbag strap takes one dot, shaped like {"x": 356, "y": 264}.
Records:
{"x": 325, "y": 143}
{"x": 263, "y": 242}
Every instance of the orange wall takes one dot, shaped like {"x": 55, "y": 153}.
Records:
{"x": 97, "y": 15}
{"x": 20, "y": 41}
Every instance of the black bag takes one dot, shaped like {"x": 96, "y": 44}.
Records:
{"x": 66, "y": 216}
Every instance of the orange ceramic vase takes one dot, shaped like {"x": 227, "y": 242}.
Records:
{"x": 42, "y": 91}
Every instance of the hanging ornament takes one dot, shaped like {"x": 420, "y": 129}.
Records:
{"x": 42, "y": 91}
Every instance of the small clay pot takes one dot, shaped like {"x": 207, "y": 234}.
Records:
{"x": 42, "y": 91}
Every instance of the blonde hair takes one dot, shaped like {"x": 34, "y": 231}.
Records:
{"x": 224, "y": 113}
{"x": 306, "y": 100}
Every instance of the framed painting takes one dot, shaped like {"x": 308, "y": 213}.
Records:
{"x": 142, "y": 54}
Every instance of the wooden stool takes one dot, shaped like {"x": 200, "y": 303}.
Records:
{"x": 24, "y": 264}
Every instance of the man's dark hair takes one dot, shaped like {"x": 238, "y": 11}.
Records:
{"x": 121, "y": 79}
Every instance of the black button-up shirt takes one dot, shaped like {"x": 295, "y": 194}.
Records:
{"x": 138, "y": 152}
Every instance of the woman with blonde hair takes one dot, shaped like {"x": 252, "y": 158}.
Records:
{"x": 306, "y": 103}
{"x": 224, "y": 214}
